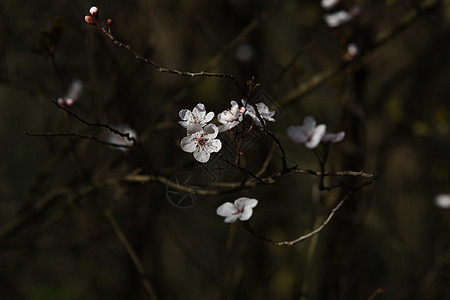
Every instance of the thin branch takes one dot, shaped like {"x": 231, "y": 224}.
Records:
{"x": 162, "y": 69}
{"x": 132, "y": 253}
{"x": 113, "y": 130}
{"x": 283, "y": 154}
{"x": 266, "y": 161}
{"x": 248, "y": 228}
{"x": 78, "y": 135}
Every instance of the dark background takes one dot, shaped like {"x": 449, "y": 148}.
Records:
{"x": 389, "y": 241}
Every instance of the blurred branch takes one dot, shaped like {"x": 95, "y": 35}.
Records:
{"x": 317, "y": 80}
{"x": 133, "y": 255}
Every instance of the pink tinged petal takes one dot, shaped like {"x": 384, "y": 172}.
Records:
{"x": 297, "y": 134}
{"x": 188, "y": 144}
{"x": 226, "y": 209}
{"x": 201, "y": 155}
{"x": 316, "y": 136}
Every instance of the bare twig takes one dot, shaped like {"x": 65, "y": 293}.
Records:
{"x": 78, "y": 135}
{"x": 162, "y": 69}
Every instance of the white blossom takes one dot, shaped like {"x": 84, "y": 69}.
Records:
{"x": 442, "y": 201}
{"x": 333, "y": 137}
{"x": 263, "y": 111}
{"x": 230, "y": 117}
{"x": 337, "y": 18}
{"x": 328, "y": 4}
{"x": 74, "y": 92}
{"x": 195, "y": 120}
{"x": 202, "y": 143}
{"x": 308, "y": 134}
{"x": 241, "y": 209}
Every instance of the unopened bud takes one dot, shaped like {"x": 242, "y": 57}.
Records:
{"x": 94, "y": 11}
{"x": 88, "y": 19}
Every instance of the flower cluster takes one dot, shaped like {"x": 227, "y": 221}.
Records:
{"x": 312, "y": 134}
{"x": 201, "y": 137}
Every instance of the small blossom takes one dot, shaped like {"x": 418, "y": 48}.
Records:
{"x": 94, "y": 11}
{"x": 241, "y": 209}
{"x": 202, "y": 143}
{"x": 333, "y": 137}
{"x": 352, "y": 51}
{"x": 73, "y": 94}
{"x": 263, "y": 111}
{"x": 338, "y": 18}
{"x": 195, "y": 120}
{"x": 89, "y": 19}
{"x": 442, "y": 201}
{"x": 230, "y": 117}
{"x": 328, "y": 4}
{"x": 117, "y": 139}
{"x": 308, "y": 134}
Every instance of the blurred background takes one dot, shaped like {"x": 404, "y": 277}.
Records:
{"x": 378, "y": 70}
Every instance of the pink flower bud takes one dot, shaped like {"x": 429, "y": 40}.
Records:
{"x": 88, "y": 19}
{"x": 93, "y": 11}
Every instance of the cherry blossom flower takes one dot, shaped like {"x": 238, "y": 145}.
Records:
{"x": 202, "y": 143}
{"x": 117, "y": 139}
{"x": 241, "y": 209}
{"x": 75, "y": 89}
{"x": 328, "y": 4}
{"x": 338, "y": 18}
{"x": 263, "y": 111}
{"x": 308, "y": 134}
{"x": 442, "y": 201}
{"x": 197, "y": 119}
{"x": 230, "y": 117}
{"x": 333, "y": 137}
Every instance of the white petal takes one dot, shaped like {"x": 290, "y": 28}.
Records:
{"x": 231, "y": 219}
{"x": 316, "y": 137}
{"x": 211, "y": 131}
{"x": 213, "y": 145}
{"x": 247, "y": 202}
{"x": 226, "y": 209}
{"x": 309, "y": 123}
{"x": 442, "y": 201}
{"x": 200, "y": 155}
{"x": 246, "y": 214}
{"x": 333, "y": 137}
{"x": 209, "y": 116}
{"x": 193, "y": 128}
{"x": 184, "y": 114}
{"x": 188, "y": 144}
{"x": 199, "y": 110}
{"x": 297, "y": 134}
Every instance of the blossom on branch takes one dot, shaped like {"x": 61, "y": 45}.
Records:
{"x": 328, "y": 4}
{"x": 263, "y": 111}
{"x": 196, "y": 119}
{"x": 241, "y": 209}
{"x": 202, "y": 143}
{"x": 230, "y": 117}
{"x": 308, "y": 134}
